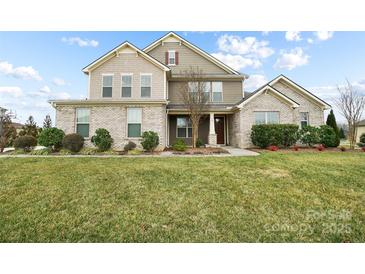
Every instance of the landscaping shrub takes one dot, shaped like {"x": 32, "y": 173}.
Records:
{"x": 342, "y": 148}
{"x": 150, "y": 140}
{"x": 295, "y": 148}
{"x": 25, "y": 142}
{"x": 320, "y": 147}
{"x": 88, "y": 151}
{"x": 44, "y": 151}
{"x": 363, "y": 149}
{"x": 199, "y": 143}
{"x": 309, "y": 135}
{"x": 65, "y": 152}
{"x": 328, "y": 136}
{"x": 73, "y": 142}
{"x": 274, "y": 134}
{"x": 51, "y": 137}
{"x": 130, "y": 146}
{"x": 102, "y": 139}
{"x": 179, "y": 145}
{"x": 273, "y": 148}
{"x": 134, "y": 152}
{"x": 362, "y": 139}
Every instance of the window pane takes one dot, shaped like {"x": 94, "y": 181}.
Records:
{"x": 134, "y": 130}
{"x": 107, "y": 91}
{"x": 82, "y": 115}
{"x": 190, "y": 132}
{"x": 181, "y": 132}
{"x": 145, "y": 80}
{"x": 126, "y": 92}
{"x": 259, "y": 118}
{"x": 107, "y": 81}
{"x": 126, "y": 80}
{"x": 272, "y": 117}
{"x": 83, "y": 130}
{"x": 303, "y": 124}
{"x": 217, "y": 97}
{"x": 304, "y": 116}
{"x": 172, "y": 54}
{"x": 193, "y": 86}
{"x": 217, "y": 87}
{"x": 181, "y": 122}
{"x": 134, "y": 115}
{"x": 145, "y": 92}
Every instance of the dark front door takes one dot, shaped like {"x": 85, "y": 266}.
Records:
{"x": 219, "y": 129}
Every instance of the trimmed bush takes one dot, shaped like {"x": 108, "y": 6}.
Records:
{"x": 73, "y": 142}
{"x": 25, "y": 142}
{"x": 199, "y": 143}
{"x": 328, "y": 136}
{"x": 102, "y": 139}
{"x": 150, "y": 140}
{"x": 130, "y": 146}
{"x": 51, "y": 137}
{"x": 179, "y": 145}
{"x": 309, "y": 135}
{"x": 274, "y": 135}
{"x": 362, "y": 138}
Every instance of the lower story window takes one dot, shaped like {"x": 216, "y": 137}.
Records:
{"x": 134, "y": 122}
{"x": 304, "y": 119}
{"x": 266, "y": 117}
{"x": 82, "y": 121}
{"x": 184, "y": 128}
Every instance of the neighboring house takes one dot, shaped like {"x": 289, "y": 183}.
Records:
{"x": 360, "y": 129}
{"x": 133, "y": 90}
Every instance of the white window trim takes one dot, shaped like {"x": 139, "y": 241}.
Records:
{"x": 121, "y": 84}
{"x": 300, "y": 120}
{"x": 76, "y": 123}
{"x": 168, "y": 57}
{"x": 140, "y": 84}
{"x": 102, "y": 84}
{"x": 186, "y": 129}
{"x": 134, "y": 138}
{"x": 266, "y": 113}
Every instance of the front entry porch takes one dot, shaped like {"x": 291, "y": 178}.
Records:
{"x": 213, "y": 129}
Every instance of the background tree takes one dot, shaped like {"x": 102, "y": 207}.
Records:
{"x": 342, "y": 133}
{"x": 331, "y": 121}
{"x": 30, "y": 128}
{"x": 7, "y": 130}
{"x": 351, "y": 105}
{"x": 194, "y": 97}
{"x": 47, "y": 123}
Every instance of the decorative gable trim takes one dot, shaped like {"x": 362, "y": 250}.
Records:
{"x": 301, "y": 89}
{"x": 125, "y": 47}
{"x": 172, "y": 35}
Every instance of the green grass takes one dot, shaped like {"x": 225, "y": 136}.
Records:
{"x": 289, "y": 197}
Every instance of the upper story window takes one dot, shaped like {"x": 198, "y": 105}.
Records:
{"x": 266, "y": 117}
{"x": 107, "y": 86}
{"x": 217, "y": 91}
{"x": 171, "y": 57}
{"x": 304, "y": 119}
{"x": 82, "y": 121}
{"x": 146, "y": 85}
{"x": 212, "y": 90}
{"x": 127, "y": 85}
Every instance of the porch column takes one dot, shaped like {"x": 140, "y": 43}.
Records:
{"x": 212, "y": 138}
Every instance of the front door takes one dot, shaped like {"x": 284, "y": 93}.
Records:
{"x": 219, "y": 129}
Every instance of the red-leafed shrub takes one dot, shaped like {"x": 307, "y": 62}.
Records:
{"x": 320, "y": 147}
{"x": 295, "y": 148}
{"x": 273, "y": 148}
{"x": 363, "y": 149}
{"x": 343, "y": 148}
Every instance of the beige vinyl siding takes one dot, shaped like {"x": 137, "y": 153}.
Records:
{"x": 124, "y": 64}
{"x": 232, "y": 92}
{"x": 187, "y": 58}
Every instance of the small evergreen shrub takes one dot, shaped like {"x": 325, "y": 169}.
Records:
{"x": 51, "y": 137}
{"x": 150, "y": 140}
{"x": 25, "y": 142}
{"x": 362, "y": 138}
{"x": 73, "y": 142}
{"x": 131, "y": 145}
{"x": 179, "y": 145}
{"x": 199, "y": 143}
{"x": 102, "y": 139}
{"x": 328, "y": 136}
{"x": 283, "y": 135}
{"x": 309, "y": 135}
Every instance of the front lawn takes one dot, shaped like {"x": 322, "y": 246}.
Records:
{"x": 275, "y": 197}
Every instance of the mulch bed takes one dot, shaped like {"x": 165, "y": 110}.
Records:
{"x": 306, "y": 150}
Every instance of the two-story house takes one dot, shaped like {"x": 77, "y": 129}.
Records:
{"x": 132, "y": 90}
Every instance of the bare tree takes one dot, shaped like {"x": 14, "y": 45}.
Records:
{"x": 195, "y": 98}
{"x": 351, "y": 105}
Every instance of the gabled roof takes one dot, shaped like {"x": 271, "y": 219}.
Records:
{"x": 261, "y": 90}
{"x": 305, "y": 91}
{"x": 117, "y": 49}
{"x": 194, "y": 48}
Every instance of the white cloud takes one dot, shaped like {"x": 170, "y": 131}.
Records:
{"x": 324, "y": 35}
{"x": 236, "y": 61}
{"x": 45, "y": 90}
{"x": 293, "y": 36}
{"x": 291, "y": 59}
{"x": 58, "y": 82}
{"x": 11, "y": 91}
{"x": 310, "y": 40}
{"x": 265, "y": 33}
{"x": 23, "y": 72}
{"x": 254, "y": 81}
{"x": 80, "y": 42}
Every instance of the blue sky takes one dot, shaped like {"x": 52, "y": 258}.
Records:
{"x": 38, "y": 66}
